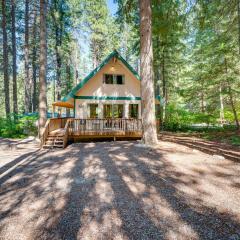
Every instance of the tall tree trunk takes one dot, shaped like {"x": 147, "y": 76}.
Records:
{"x": 164, "y": 88}
{"x": 202, "y": 100}
{"x": 5, "y": 59}
{"x": 94, "y": 55}
{"x": 14, "y": 61}
{"x": 238, "y": 10}
{"x": 147, "y": 84}
{"x": 57, "y": 16}
{"x": 34, "y": 62}
{"x": 26, "y": 59}
{"x": 221, "y": 105}
{"x": 230, "y": 94}
{"x": 68, "y": 73}
{"x": 42, "y": 72}
{"x": 59, "y": 65}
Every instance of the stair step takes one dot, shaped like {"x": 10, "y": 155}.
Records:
{"x": 58, "y": 146}
{"x": 48, "y": 146}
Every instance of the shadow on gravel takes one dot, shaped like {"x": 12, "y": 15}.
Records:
{"x": 109, "y": 190}
{"x": 16, "y": 161}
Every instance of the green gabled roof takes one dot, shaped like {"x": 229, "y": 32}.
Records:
{"x": 116, "y": 54}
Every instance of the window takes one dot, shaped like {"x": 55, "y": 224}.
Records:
{"x": 119, "y": 79}
{"x": 133, "y": 110}
{"x": 118, "y": 110}
{"x": 93, "y": 110}
{"x": 107, "y": 110}
{"x": 108, "y": 79}
{"x": 113, "y": 79}
{"x": 113, "y": 110}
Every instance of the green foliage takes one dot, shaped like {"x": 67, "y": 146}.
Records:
{"x": 21, "y": 127}
{"x": 178, "y": 118}
{"x": 235, "y": 140}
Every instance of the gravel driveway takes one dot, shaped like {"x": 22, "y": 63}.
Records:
{"x": 119, "y": 190}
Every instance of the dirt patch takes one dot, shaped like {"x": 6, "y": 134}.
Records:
{"x": 118, "y": 190}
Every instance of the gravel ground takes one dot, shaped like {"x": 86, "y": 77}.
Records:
{"x": 118, "y": 190}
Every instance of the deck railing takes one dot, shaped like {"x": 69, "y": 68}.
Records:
{"x": 56, "y": 123}
{"x": 104, "y": 126}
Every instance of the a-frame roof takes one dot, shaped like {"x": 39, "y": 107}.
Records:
{"x": 115, "y": 54}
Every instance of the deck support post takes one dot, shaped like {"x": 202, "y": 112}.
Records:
{"x": 53, "y": 111}
{"x": 100, "y": 110}
{"x": 126, "y": 110}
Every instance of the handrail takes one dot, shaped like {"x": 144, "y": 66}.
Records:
{"x": 104, "y": 125}
{"x": 45, "y": 132}
{"x": 66, "y": 131}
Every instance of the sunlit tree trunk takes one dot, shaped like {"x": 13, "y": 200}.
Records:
{"x": 5, "y": 59}
{"x": 164, "y": 88}
{"x": 238, "y": 10}
{"x": 42, "y": 72}
{"x": 147, "y": 84}
{"x": 34, "y": 61}
{"x": 221, "y": 105}
{"x": 94, "y": 55}
{"x": 27, "y": 84}
{"x": 69, "y": 85}
{"x": 14, "y": 61}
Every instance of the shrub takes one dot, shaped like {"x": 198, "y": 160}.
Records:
{"x": 21, "y": 127}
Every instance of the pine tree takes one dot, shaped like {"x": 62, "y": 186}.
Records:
{"x": 14, "y": 59}
{"x": 5, "y": 59}
{"x": 43, "y": 64}
{"x": 147, "y": 86}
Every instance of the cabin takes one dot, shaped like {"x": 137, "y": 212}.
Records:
{"x": 105, "y": 104}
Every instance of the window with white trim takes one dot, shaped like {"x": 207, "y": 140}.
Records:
{"x": 113, "y": 79}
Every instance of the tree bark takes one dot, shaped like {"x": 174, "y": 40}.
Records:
{"x": 42, "y": 72}
{"x": 238, "y": 10}
{"x": 221, "y": 105}
{"x": 58, "y": 25}
{"x": 147, "y": 84}
{"x": 164, "y": 88}
{"x": 26, "y": 60}
{"x": 34, "y": 62}
{"x": 5, "y": 60}
{"x": 14, "y": 61}
{"x": 230, "y": 94}
{"x": 202, "y": 98}
{"x": 68, "y": 73}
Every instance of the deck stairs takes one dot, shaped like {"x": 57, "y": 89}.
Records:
{"x": 54, "y": 142}
{"x": 55, "y": 134}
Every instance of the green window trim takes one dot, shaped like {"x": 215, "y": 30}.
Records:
{"x": 106, "y": 98}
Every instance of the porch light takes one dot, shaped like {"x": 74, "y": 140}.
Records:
{"x": 112, "y": 68}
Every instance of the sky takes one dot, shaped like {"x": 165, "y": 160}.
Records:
{"x": 112, "y": 6}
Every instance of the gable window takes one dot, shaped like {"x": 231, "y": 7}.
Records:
{"x": 119, "y": 79}
{"x": 113, "y": 79}
{"x": 93, "y": 110}
{"x": 133, "y": 110}
{"x": 108, "y": 79}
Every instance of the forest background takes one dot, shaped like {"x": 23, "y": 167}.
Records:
{"x": 196, "y": 47}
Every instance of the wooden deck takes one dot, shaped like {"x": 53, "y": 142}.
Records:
{"x": 59, "y": 131}
{"x": 105, "y": 127}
